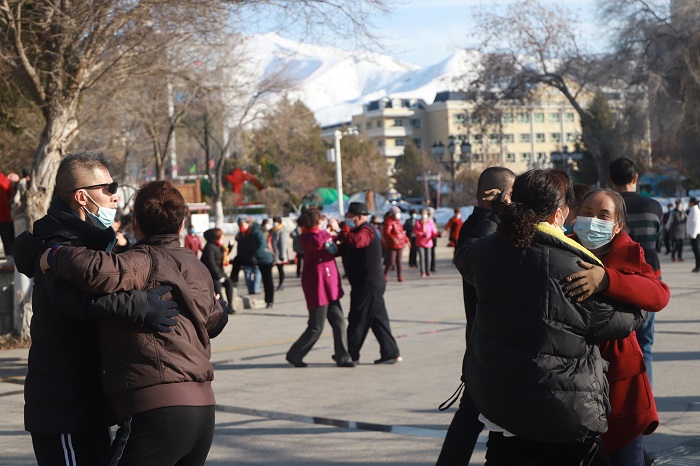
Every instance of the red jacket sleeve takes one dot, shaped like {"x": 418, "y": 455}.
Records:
{"x": 358, "y": 238}
{"x": 637, "y": 283}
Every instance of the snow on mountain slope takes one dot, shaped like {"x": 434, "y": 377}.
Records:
{"x": 334, "y": 83}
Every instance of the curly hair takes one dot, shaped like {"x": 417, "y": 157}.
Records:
{"x": 536, "y": 195}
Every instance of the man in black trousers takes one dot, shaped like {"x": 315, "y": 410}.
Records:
{"x": 361, "y": 250}
{"x": 494, "y": 183}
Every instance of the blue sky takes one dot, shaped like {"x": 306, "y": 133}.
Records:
{"x": 426, "y": 31}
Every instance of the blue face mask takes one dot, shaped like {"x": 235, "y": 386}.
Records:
{"x": 593, "y": 232}
{"x": 104, "y": 218}
{"x": 350, "y": 223}
{"x": 414, "y": 216}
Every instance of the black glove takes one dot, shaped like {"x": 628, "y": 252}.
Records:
{"x": 160, "y": 315}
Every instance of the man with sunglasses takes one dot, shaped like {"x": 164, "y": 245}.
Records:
{"x": 66, "y": 411}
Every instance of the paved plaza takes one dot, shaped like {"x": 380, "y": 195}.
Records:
{"x": 270, "y": 413}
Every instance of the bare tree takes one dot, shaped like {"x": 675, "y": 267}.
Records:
{"x": 534, "y": 44}
{"x": 662, "y": 41}
{"x": 54, "y": 51}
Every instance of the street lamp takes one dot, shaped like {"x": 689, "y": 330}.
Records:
{"x": 452, "y": 164}
{"x": 338, "y": 135}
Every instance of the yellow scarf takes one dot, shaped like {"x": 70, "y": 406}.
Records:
{"x": 552, "y": 230}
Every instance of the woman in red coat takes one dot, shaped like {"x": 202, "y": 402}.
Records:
{"x": 628, "y": 278}
{"x": 394, "y": 239}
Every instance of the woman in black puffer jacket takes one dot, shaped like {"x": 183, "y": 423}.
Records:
{"x": 533, "y": 367}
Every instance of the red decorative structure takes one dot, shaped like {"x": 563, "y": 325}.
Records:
{"x": 237, "y": 177}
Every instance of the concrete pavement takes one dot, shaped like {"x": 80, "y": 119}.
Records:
{"x": 270, "y": 413}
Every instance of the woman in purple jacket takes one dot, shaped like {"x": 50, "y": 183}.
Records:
{"x": 320, "y": 281}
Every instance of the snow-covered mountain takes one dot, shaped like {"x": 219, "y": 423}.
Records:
{"x": 334, "y": 83}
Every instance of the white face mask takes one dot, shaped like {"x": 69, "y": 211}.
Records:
{"x": 458, "y": 215}
{"x": 105, "y": 216}
{"x": 398, "y": 216}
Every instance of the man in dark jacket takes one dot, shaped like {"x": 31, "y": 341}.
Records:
{"x": 494, "y": 182}
{"x": 643, "y": 225}
{"x": 361, "y": 249}
{"x": 254, "y": 251}
{"x": 66, "y": 411}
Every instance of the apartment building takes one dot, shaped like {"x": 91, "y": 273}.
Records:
{"x": 458, "y": 135}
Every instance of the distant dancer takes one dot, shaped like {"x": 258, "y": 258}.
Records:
{"x": 395, "y": 240}
{"x": 431, "y": 215}
{"x": 253, "y": 251}
{"x": 692, "y": 227}
{"x": 7, "y": 227}
{"x": 676, "y": 225}
{"x": 453, "y": 226}
{"x": 408, "y": 227}
{"x": 214, "y": 257}
{"x": 361, "y": 250}
{"x": 193, "y": 242}
{"x": 323, "y": 289}
{"x": 426, "y": 234}
{"x": 279, "y": 239}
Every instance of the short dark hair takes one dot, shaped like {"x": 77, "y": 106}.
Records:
{"x": 622, "y": 171}
{"x": 277, "y": 219}
{"x": 494, "y": 178}
{"x": 159, "y": 208}
{"x": 580, "y": 191}
{"x": 536, "y": 194}
{"x": 77, "y": 169}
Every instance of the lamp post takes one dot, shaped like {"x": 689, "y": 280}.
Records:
{"x": 452, "y": 164}
{"x": 338, "y": 135}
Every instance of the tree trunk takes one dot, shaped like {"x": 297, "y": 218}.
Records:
{"x": 60, "y": 130}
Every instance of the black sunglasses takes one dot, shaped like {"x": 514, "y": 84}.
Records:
{"x": 111, "y": 187}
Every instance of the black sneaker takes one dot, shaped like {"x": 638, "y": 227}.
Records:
{"x": 389, "y": 360}
{"x": 297, "y": 363}
{"x": 268, "y": 306}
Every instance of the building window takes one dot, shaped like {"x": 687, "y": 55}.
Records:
{"x": 541, "y": 156}
{"x": 400, "y": 142}
{"x": 555, "y": 137}
{"x": 569, "y": 117}
{"x": 478, "y": 138}
{"x": 368, "y": 124}
{"x": 508, "y": 117}
{"x": 459, "y": 118}
{"x": 398, "y": 122}
{"x": 475, "y": 119}
{"x": 509, "y": 138}
{"x": 525, "y": 157}
{"x": 380, "y": 143}
{"x": 380, "y": 123}
{"x": 525, "y": 137}
{"x": 523, "y": 117}
{"x": 570, "y": 137}
{"x": 418, "y": 142}
{"x": 415, "y": 122}
{"x": 539, "y": 117}
{"x": 494, "y": 138}
{"x": 510, "y": 157}
{"x": 554, "y": 117}
{"x": 539, "y": 137}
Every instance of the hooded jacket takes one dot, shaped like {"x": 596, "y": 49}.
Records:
{"x": 145, "y": 370}
{"x": 533, "y": 366}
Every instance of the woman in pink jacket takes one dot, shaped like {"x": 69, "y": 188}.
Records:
{"x": 425, "y": 231}
{"x": 320, "y": 281}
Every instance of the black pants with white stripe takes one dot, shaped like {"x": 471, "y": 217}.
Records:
{"x": 178, "y": 435}
{"x": 76, "y": 449}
